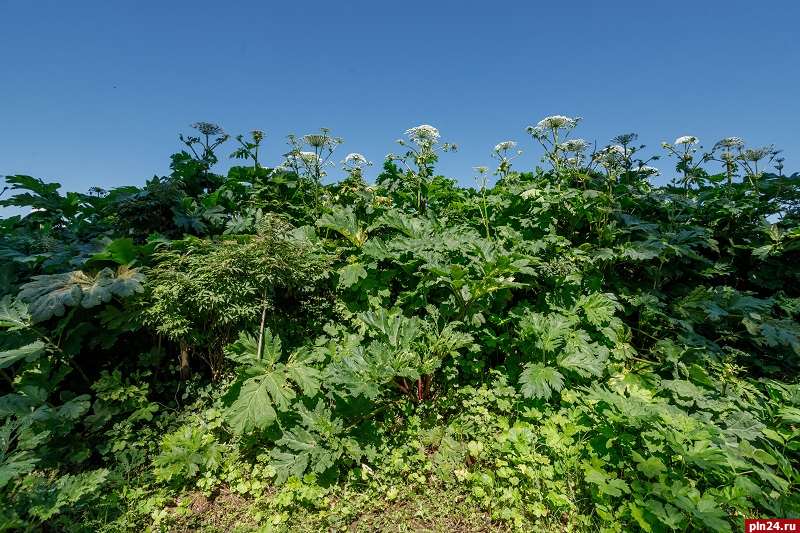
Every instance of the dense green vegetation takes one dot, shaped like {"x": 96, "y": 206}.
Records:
{"x": 569, "y": 349}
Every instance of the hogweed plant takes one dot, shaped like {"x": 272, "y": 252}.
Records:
{"x": 552, "y": 133}
{"x": 726, "y": 157}
{"x": 575, "y": 157}
{"x": 747, "y": 159}
{"x": 615, "y": 160}
{"x": 625, "y": 141}
{"x": 500, "y": 153}
{"x": 310, "y": 164}
{"x": 354, "y": 165}
{"x": 208, "y": 130}
{"x": 249, "y": 150}
{"x": 481, "y": 180}
{"x": 634, "y": 169}
{"x": 684, "y": 149}
{"x": 779, "y": 167}
{"x": 750, "y": 162}
{"x": 422, "y": 154}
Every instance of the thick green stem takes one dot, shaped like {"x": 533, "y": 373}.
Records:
{"x": 261, "y": 328}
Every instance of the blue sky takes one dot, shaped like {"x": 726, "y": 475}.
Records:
{"x": 95, "y": 93}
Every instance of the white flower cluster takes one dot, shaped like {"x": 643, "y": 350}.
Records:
{"x": 315, "y": 139}
{"x": 507, "y": 145}
{"x": 687, "y": 140}
{"x": 730, "y": 143}
{"x": 576, "y": 145}
{"x": 645, "y": 169}
{"x": 305, "y": 157}
{"x": 620, "y": 151}
{"x": 611, "y": 156}
{"x": 425, "y": 134}
{"x": 356, "y": 159}
{"x": 481, "y": 169}
{"x": 553, "y": 124}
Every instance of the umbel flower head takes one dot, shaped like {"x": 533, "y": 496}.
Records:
{"x": 612, "y": 156}
{"x": 758, "y": 154}
{"x": 687, "y": 140}
{"x": 506, "y": 145}
{"x": 553, "y": 124}
{"x": 424, "y": 134}
{"x": 620, "y": 151}
{"x": 645, "y": 169}
{"x": 258, "y": 135}
{"x": 302, "y": 157}
{"x": 576, "y": 145}
{"x": 316, "y": 140}
{"x": 625, "y": 138}
{"x": 309, "y": 157}
{"x": 481, "y": 169}
{"x": 356, "y": 159}
{"x": 206, "y": 128}
{"x": 730, "y": 143}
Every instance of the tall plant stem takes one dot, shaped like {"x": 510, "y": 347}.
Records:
{"x": 185, "y": 370}
{"x": 158, "y": 360}
{"x": 68, "y": 360}
{"x": 263, "y": 318}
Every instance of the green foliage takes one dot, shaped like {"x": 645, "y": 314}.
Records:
{"x": 204, "y": 292}
{"x": 265, "y": 384}
{"x": 50, "y": 295}
{"x": 187, "y": 453}
{"x": 572, "y": 349}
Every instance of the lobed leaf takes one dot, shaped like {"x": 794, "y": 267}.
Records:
{"x": 540, "y": 381}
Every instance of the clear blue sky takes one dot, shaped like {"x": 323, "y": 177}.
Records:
{"x": 95, "y": 93}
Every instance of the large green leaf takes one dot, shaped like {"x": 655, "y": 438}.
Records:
{"x": 50, "y": 295}
{"x": 13, "y": 313}
{"x": 251, "y": 409}
{"x": 394, "y": 329}
{"x": 549, "y": 332}
{"x": 264, "y": 386}
{"x": 584, "y": 359}
{"x": 307, "y": 377}
{"x": 350, "y": 274}
{"x": 70, "y": 491}
{"x": 540, "y": 381}
{"x": 643, "y": 250}
{"x": 30, "y": 352}
{"x": 313, "y": 447}
{"x": 598, "y": 308}
{"x": 343, "y": 220}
